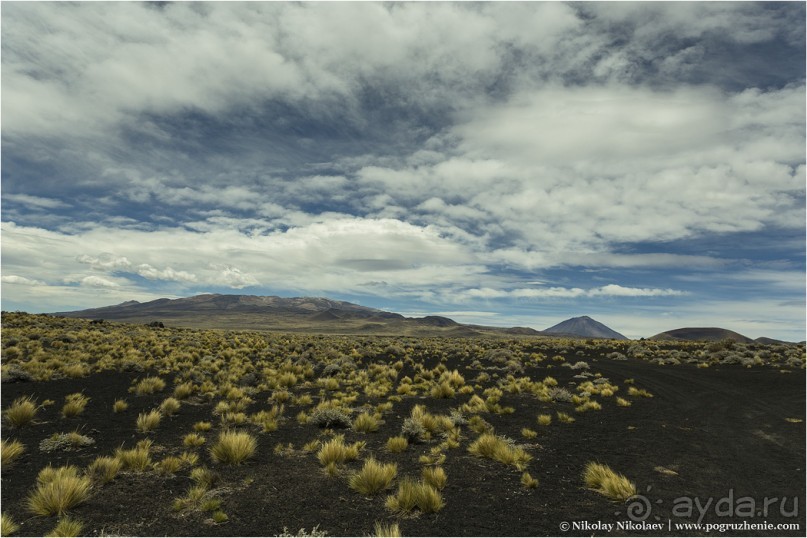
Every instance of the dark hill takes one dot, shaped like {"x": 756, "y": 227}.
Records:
{"x": 585, "y": 327}
{"x": 702, "y": 334}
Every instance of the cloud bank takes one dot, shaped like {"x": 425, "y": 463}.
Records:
{"x": 539, "y": 158}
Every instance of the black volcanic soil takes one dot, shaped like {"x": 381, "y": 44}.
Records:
{"x": 721, "y": 429}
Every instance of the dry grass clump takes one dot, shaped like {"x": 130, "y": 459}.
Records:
{"x": 10, "y": 451}
{"x": 373, "y": 477}
{"x": 193, "y": 440}
{"x": 169, "y": 465}
{"x": 382, "y": 530}
{"x": 528, "y": 433}
{"x": 397, "y": 444}
{"x": 104, "y": 469}
{"x": 8, "y": 526}
{"x": 67, "y": 527}
{"x": 335, "y": 451}
{"x": 74, "y": 404}
{"x": 366, "y": 423}
{"x": 622, "y": 402}
{"x": 21, "y": 412}
{"x": 442, "y": 390}
{"x": 544, "y": 420}
{"x": 202, "y": 426}
{"x": 565, "y": 418}
{"x": 58, "y": 490}
{"x": 119, "y": 406}
{"x": 148, "y": 385}
{"x": 588, "y": 405}
{"x": 137, "y": 459}
{"x": 435, "y": 476}
{"x": 633, "y": 391}
{"x": 413, "y": 494}
{"x": 607, "y": 482}
{"x": 147, "y": 422}
{"x": 234, "y": 447}
{"x": 500, "y": 449}
{"x": 528, "y": 481}
{"x": 170, "y": 406}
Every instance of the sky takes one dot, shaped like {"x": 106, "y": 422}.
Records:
{"x": 507, "y": 164}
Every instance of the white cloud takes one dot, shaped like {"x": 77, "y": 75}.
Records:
{"x": 21, "y": 280}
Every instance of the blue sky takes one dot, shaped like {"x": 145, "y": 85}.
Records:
{"x": 501, "y": 163}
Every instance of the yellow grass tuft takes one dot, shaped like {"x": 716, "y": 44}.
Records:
{"x": 120, "y": 406}
{"x": 67, "y": 527}
{"x": 413, "y": 494}
{"x": 149, "y": 385}
{"x": 373, "y": 477}
{"x": 234, "y": 447}
{"x": 497, "y": 448}
{"x": 607, "y": 482}
{"x": 397, "y": 444}
{"x": 365, "y": 423}
{"x": 335, "y": 451}
{"x": 147, "y": 422}
{"x": 74, "y": 404}
{"x": 8, "y": 526}
{"x": 565, "y": 418}
{"x": 544, "y": 420}
{"x": 622, "y": 402}
{"x": 137, "y": 459}
{"x": 391, "y": 530}
{"x": 633, "y": 391}
{"x": 10, "y": 451}
{"x": 528, "y": 481}
{"x": 170, "y": 406}
{"x": 58, "y": 491}
{"x": 104, "y": 469}
{"x": 21, "y": 412}
{"x": 435, "y": 476}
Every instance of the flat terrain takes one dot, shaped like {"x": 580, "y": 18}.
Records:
{"x": 715, "y": 421}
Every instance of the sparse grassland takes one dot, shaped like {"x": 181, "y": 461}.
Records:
{"x": 408, "y": 425}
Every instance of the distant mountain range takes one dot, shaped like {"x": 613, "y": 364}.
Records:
{"x": 323, "y": 315}
{"x": 304, "y": 314}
